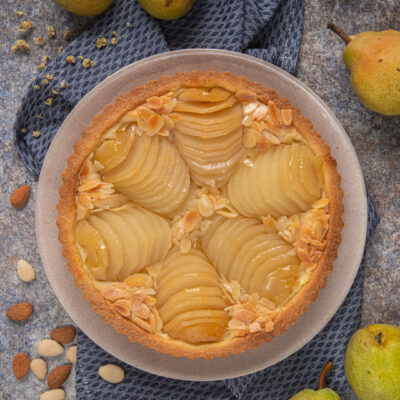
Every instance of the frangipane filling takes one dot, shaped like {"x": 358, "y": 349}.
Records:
{"x": 201, "y": 214}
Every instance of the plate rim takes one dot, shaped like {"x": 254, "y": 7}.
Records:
{"x": 159, "y": 58}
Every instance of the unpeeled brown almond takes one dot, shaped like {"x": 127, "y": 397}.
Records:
{"x": 20, "y": 311}
{"x": 58, "y": 376}
{"x": 20, "y": 196}
{"x": 63, "y": 334}
{"x": 20, "y": 365}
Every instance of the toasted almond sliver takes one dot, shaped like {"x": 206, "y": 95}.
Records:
{"x": 191, "y": 220}
{"x": 287, "y": 116}
{"x": 185, "y": 246}
{"x": 137, "y": 280}
{"x": 245, "y": 95}
{"x": 249, "y": 139}
{"x": 274, "y": 112}
{"x": 155, "y": 103}
{"x": 260, "y": 112}
{"x": 143, "y": 324}
{"x": 254, "y": 327}
{"x": 249, "y": 108}
{"x": 244, "y": 315}
{"x": 123, "y": 307}
{"x": 205, "y": 206}
{"x": 140, "y": 310}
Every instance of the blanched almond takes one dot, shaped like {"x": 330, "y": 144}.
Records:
{"x": 54, "y": 394}
{"x": 49, "y": 348}
{"x": 25, "y": 271}
{"x": 111, "y": 373}
{"x": 72, "y": 354}
{"x": 39, "y": 368}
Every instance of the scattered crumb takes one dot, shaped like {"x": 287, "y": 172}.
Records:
{"x": 92, "y": 63}
{"x": 48, "y": 101}
{"x": 40, "y": 116}
{"x": 41, "y": 66}
{"x": 70, "y": 60}
{"x": 49, "y": 76}
{"x": 51, "y": 32}
{"x": 20, "y": 44}
{"x": 24, "y": 130}
{"x": 36, "y": 134}
{"x": 68, "y": 35}
{"x": 36, "y": 87}
{"x": 40, "y": 41}
{"x": 86, "y": 63}
{"x": 54, "y": 91}
{"x": 63, "y": 85}
{"x": 60, "y": 49}
{"x": 80, "y": 57}
{"x": 46, "y": 59}
{"x": 45, "y": 82}
{"x": 128, "y": 24}
{"x": 25, "y": 26}
{"x": 115, "y": 34}
{"x": 19, "y": 14}
{"x": 114, "y": 41}
{"x": 101, "y": 42}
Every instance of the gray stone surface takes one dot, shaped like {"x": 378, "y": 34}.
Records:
{"x": 376, "y": 139}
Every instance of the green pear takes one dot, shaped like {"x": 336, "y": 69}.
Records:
{"x": 323, "y": 394}
{"x": 167, "y": 9}
{"x": 372, "y": 362}
{"x": 320, "y": 394}
{"x": 373, "y": 59}
{"x": 85, "y": 8}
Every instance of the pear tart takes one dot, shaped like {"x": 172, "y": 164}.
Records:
{"x": 200, "y": 214}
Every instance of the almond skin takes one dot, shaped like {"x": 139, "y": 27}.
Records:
{"x": 20, "y": 196}
{"x": 58, "y": 376}
{"x": 21, "y": 365}
{"x": 63, "y": 334}
{"x": 20, "y": 311}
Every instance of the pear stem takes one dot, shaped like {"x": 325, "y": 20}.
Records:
{"x": 321, "y": 381}
{"x": 339, "y": 32}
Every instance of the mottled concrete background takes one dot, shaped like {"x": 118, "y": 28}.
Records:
{"x": 376, "y": 140}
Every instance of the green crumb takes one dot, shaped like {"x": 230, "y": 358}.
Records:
{"x": 115, "y": 34}
{"x": 70, "y": 60}
{"x": 25, "y": 26}
{"x": 20, "y": 44}
{"x": 49, "y": 76}
{"x": 68, "y": 35}
{"x": 51, "y": 32}
{"x": 24, "y": 130}
{"x": 45, "y": 82}
{"x": 36, "y": 134}
{"x": 101, "y": 42}
{"x": 63, "y": 85}
{"x": 86, "y": 63}
{"x": 40, "y": 116}
{"x": 40, "y": 41}
{"x": 19, "y": 14}
{"x": 54, "y": 91}
{"x": 60, "y": 49}
{"x": 128, "y": 24}
{"x": 48, "y": 101}
{"x": 114, "y": 41}
{"x": 36, "y": 87}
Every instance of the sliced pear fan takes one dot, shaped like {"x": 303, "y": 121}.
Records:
{"x": 242, "y": 250}
{"x": 190, "y": 300}
{"x": 284, "y": 180}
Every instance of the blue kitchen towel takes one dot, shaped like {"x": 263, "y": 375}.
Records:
{"x": 268, "y": 29}
{"x": 278, "y": 382}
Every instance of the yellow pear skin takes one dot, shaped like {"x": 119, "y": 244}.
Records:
{"x": 85, "y": 8}
{"x": 372, "y": 362}
{"x": 167, "y": 9}
{"x": 323, "y": 394}
{"x": 373, "y": 59}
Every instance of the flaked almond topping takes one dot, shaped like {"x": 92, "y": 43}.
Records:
{"x": 123, "y": 307}
{"x": 205, "y": 206}
{"x": 269, "y": 326}
{"x": 249, "y": 108}
{"x": 138, "y": 280}
{"x": 191, "y": 219}
{"x": 269, "y": 223}
{"x": 245, "y": 95}
{"x": 287, "y": 116}
{"x": 137, "y": 297}
{"x": 260, "y": 112}
{"x": 244, "y": 315}
{"x": 113, "y": 293}
{"x": 185, "y": 246}
{"x": 154, "y": 124}
{"x": 274, "y": 112}
{"x": 254, "y": 327}
{"x": 143, "y": 324}
{"x": 140, "y": 310}
{"x": 155, "y": 103}
{"x": 249, "y": 139}
{"x": 204, "y": 225}
{"x": 271, "y": 138}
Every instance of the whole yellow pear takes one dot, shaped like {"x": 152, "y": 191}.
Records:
{"x": 85, "y": 8}
{"x": 372, "y": 362}
{"x": 373, "y": 59}
{"x": 167, "y": 9}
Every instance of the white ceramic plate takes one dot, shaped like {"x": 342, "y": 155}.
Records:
{"x": 345, "y": 267}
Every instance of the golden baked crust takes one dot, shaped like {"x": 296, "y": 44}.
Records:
{"x": 91, "y": 136}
